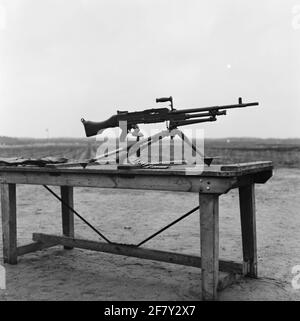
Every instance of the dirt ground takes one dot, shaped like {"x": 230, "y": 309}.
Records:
{"x": 129, "y": 216}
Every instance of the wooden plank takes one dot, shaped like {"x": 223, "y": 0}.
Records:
{"x": 248, "y": 226}
{"x": 209, "y": 236}
{"x": 246, "y": 166}
{"x": 216, "y": 185}
{"x": 67, "y": 214}
{"x": 256, "y": 178}
{"x": 213, "y": 170}
{"x": 133, "y": 251}
{"x": 9, "y": 222}
{"x": 262, "y": 177}
{"x": 128, "y": 181}
{"x": 33, "y": 247}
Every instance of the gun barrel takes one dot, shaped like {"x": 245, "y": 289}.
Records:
{"x": 194, "y": 110}
{"x": 205, "y": 114}
{"x": 190, "y": 122}
{"x": 157, "y": 115}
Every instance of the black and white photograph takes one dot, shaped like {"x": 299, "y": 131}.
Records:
{"x": 150, "y": 152}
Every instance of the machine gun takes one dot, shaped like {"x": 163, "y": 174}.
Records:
{"x": 174, "y": 118}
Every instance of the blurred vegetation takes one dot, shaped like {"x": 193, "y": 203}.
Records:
{"x": 283, "y": 152}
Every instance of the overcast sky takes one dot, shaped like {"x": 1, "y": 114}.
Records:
{"x": 61, "y": 60}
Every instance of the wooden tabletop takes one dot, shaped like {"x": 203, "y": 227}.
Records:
{"x": 229, "y": 170}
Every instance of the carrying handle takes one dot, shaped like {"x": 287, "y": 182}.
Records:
{"x": 165, "y": 99}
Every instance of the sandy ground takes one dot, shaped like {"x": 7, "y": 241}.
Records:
{"x": 130, "y": 216}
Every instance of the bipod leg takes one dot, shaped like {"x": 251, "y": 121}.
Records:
{"x": 207, "y": 160}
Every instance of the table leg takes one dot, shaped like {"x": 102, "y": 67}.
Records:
{"x": 248, "y": 225}
{"x": 67, "y": 214}
{"x": 9, "y": 222}
{"x": 209, "y": 234}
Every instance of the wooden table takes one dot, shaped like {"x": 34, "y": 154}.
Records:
{"x": 209, "y": 184}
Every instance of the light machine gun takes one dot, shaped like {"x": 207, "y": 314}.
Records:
{"x": 129, "y": 121}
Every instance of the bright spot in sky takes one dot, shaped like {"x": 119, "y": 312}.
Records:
{"x": 228, "y": 66}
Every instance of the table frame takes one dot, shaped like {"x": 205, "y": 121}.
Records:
{"x": 210, "y": 185}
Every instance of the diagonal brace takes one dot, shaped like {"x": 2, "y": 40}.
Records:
{"x": 167, "y": 226}
{"x": 77, "y": 214}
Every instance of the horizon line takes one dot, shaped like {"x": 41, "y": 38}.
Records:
{"x": 94, "y": 137}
